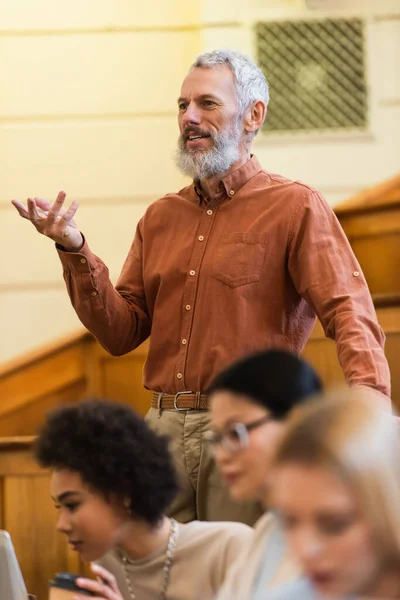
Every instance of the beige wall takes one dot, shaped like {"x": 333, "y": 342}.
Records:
{"x": 88, "y": 104}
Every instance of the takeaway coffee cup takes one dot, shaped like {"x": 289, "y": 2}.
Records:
{"x": 63, "y": 587}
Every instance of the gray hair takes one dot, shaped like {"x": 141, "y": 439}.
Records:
{"x": 250, "y": 81}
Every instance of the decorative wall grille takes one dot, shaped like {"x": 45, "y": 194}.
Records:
{"x": 316, "y": 74}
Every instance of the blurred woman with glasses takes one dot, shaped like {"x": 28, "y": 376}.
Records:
{"x": 249, "y": 404}
{"x": 337, "y": 489}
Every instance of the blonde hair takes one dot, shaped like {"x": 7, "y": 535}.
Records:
{"x": 348, "y": 434}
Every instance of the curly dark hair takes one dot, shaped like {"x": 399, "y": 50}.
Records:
{"x": 114, "y": 451}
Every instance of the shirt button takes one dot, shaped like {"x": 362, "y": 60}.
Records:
{"x": 209, "y": 212}
{"x": 356, "y": 273}
{"x": 231, "y": 192}
{"x": 200, "y": 238}
{"x": 188, "y": 307}
{"x": 94, "y": 293}
{"x": 83, "y": 260}
{"x": 192, "y": 272}
{"x": 184, "y": 342}
{"x": 179, "y": 375}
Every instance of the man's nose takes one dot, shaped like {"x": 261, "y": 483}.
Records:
{"x": 191, "y": 115}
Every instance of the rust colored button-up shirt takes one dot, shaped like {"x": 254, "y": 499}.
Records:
{"x": 213, "y": 280}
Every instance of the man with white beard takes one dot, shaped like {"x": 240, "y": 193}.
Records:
{"x": 238, "y": 261}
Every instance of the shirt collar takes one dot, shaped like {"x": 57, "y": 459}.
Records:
{"x": 234, "y": 181}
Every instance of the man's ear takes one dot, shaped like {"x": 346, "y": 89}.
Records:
{"x": 254, "y": 116}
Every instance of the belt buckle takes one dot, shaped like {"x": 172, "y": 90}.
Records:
{"x": 176, "y": 407}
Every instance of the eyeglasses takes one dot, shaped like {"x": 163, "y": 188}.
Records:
{"x": 236, "y": 438}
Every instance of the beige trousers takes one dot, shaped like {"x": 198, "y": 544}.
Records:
{"x": 203, "y": 495}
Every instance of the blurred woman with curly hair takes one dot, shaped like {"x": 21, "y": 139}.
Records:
{"x": 112, "y": 482}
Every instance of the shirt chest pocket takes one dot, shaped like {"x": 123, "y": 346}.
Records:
{"x": 239, "y": 258}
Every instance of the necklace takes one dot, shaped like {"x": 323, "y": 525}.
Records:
{"x": 167, "y": 564}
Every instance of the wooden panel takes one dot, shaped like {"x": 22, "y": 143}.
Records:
{"x": 389, "y": 319}
{"x": 28, "y": 418}
{"x": 32, "y": 386}
{"x": 371, "y": 221}
{"x": 392, "y": 351}
{"x": 380, "y": 260}
{"x": 45, "y": 377}
{"x": 16, "y": 460}
{"x": 30, "y": 518}
{"x": 321, "y": 352}
{"x": 385, "y": 194}
{"x": 122, "y": 380}
{"x": 2, "y": 524}
{"x": 86, "y": 370}
{"x": 28, "y": 514}
{"x": 371, "y": 224}
{"x": 31, "y": 358}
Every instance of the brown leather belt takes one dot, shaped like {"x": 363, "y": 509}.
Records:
{"x": 180, "y": 401}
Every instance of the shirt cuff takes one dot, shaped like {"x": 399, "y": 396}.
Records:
{"x": 81, "y": 261}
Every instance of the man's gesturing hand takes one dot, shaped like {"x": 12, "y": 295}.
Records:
{"x": 53, "y": 221}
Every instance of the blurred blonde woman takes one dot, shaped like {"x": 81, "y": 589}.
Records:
{"x": 336, "y": 488}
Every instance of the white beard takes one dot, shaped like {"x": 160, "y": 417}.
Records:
{"x": 201, "y": 164}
